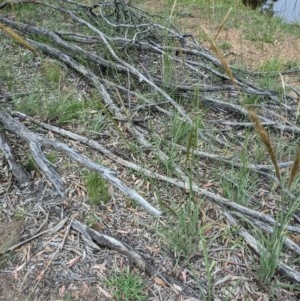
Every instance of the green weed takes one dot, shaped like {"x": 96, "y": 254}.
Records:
{"x": 270, "y": 250}
{"x": 126, "y": 286}
{"x": 68, "y": 297}
{"x": 183, "y": 231}
{"x": 249, "y": 100}
{"x": 96, "y": 123}
{"x": 69, "y": 111}
{"x": 273, "y": 64}
{"x": 31, "y": 165}
{"x": 91, "y": 220}
{"x": 209, "y": 265}
{"x": 271, "y": 244}
{"x": 239, "y": 184}
{"x": 35, "y": 105}
{"x": 225, "y": 46}
{"x": 236, "y": 185}
{"x": 20, "y": 214}
{"x": 97, "y": 188}
{"x": 5, "y": 258}
{"x": 52, "y": 71}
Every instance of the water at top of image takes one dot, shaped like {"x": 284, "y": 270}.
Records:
{"x": 289, "y": 10}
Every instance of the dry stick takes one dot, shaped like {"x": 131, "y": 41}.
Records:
{"x": 243, "y": 124}
{"x": 96, "y": 240}
{"x": 287, "y": 241}
{"x": 105, "y": 173}
{"x": 216, "y": 198}
{"x": 132, "y": 69}
{"x": 110, "y": 242}
{"x": 36, "y": 142}
{"x": 243, "y": 112}
{"x": 282, "y": 267}
{"x": 19, "y": 173}
{"x": 227, "y": 160}
{"x": 179, "y": 183}
{"x": 105, "y": 95}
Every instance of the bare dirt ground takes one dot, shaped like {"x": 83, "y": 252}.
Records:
{"x": 251, "y": 54}
{"x": 58, "y": 266}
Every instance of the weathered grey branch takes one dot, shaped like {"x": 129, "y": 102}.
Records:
{"x": 183, "y": 183}
{"x": 16, "y": 169}
{"x": 36, "y": 142}
{"x": 257, "y": 247}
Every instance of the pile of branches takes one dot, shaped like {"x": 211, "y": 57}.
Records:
{"x": 123, "y": 53}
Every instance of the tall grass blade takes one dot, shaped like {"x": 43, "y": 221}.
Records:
{"x": 18, "y": 39}
{"x": 172, "y": 10}
{"x": 223, "y": 23}
{"x": 295, "y": 168}
{"x": 191, "y": 145}
{"x": 220, "y": 56}
{"x": 265, "y": 139}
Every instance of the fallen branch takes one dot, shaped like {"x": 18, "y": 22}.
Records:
{"x": 35, "y": 143}
{"x": 251, "y": 241}
{"x": 16, "y": 169}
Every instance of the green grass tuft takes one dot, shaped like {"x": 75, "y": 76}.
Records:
{"x": 97, "y": 188}
{"x": 126, "y": 286}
